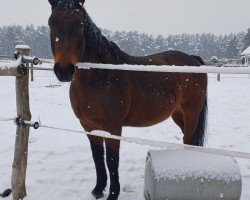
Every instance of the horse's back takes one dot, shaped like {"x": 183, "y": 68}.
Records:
{"x": 176, "y": 58}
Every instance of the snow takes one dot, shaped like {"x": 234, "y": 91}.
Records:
{"x": 246, "y": 52}
{"x": 10, "y": 64}
{"x": 60, "y": 164}
{"x": 22, "y": 47}
{"x": 166, "y": 164}
{"x": 182, "y": 69}
{"x": 101, "y": 133}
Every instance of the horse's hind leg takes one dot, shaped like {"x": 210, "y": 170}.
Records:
{"x": 191, "y": 114}
{"x": 190, "y": 124}
{"x": 97, "y": 147}
{"x": 177, "y": 116}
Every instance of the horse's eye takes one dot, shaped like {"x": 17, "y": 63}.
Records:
{"x": 79, "y": 45}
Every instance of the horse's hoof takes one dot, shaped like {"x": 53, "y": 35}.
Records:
{"x": 112, "y": 197}
{"x": 97, "y": 194}
{"x": 6, "y": 193}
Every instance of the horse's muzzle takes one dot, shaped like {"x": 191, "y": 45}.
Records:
{"x": 64, "y": 74}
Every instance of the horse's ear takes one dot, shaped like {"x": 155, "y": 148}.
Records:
{"x": 53, "y": 3}
{"x": 79, "y": 2}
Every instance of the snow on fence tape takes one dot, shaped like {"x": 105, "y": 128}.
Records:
{"x": 10, "y": 64}
{"x": 237, "y": 69}
{"x": 157, "y": 144}
{"x": 227, "y": 69}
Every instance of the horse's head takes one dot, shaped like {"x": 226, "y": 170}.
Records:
{"x": 67, "y": 36}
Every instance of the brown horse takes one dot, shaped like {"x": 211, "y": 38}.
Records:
{"x": 108, "y": 100}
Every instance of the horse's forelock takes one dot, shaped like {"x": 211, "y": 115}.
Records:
{"x": 71, "y": 4}
{"x": 66, "y": 3}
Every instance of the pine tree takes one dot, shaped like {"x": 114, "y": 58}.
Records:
{"x": 232, "y": 51}
{"x": 247, "y": 39}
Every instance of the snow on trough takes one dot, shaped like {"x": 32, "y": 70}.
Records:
{"x": 199, "y": 176}
{"x": 208, "y": 166}
{"x": 60, "y": 165}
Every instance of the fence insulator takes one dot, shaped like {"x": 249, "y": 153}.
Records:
{"x": 32, "y": 60}
{"x": 20, "y": 122}
{"x": 16, "y": 55}
{"x": 6, "y": 193}
{"x": 35, "y": 125}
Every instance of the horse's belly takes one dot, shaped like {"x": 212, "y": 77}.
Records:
{"x": 153, "y": 99}
{"x": 150, "y": 115}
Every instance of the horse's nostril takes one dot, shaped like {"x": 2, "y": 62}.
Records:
{"x": 70, "y": 70}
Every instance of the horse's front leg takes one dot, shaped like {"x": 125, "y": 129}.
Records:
{"x": 101, "y": 174}
{"x": 97, "y": 147}
{"x": 112, "y": 158}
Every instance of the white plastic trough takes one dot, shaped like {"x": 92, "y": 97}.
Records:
{"x": 186, "y": 175}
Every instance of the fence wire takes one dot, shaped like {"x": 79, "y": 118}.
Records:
{"x": 139, "y": 141}
{"x": 156, "y": 144}
{"x": 3, "y": 119}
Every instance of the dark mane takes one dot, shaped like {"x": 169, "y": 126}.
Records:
{"x": 94, "y": 34}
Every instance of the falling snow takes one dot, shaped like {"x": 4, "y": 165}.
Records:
{"x": 60, "y": 164}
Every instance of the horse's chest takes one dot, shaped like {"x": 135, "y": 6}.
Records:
{"x": 97, "y": 101}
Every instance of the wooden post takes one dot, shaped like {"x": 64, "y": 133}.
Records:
{"x": 22, "y": 133}
{"x": 32, "y": 72}
{"x": 218, "y": 77}
{"x": 220, "y": 64}
{"x": 13, "y": 71}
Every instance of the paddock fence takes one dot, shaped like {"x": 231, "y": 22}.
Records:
{"x": 23, "y": 65}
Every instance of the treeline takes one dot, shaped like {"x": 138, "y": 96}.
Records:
{"x": 139, "y": 44}
{"x": 36, "y": 37}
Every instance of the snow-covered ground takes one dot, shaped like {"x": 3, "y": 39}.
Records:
{"x": 60, "y": 165}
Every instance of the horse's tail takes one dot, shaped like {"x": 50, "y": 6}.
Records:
{"x": 200, "y": 132}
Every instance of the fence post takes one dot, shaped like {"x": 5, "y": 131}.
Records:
{"x": 218, "y": 75}
{"x": 22, "y": 133}
{"x": 32, "y": 72}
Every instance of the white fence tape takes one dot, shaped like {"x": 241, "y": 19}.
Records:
{"x": 10, "y": 64}
{"x": 158, "y": 144}
{"x": 237, "y": 69}
{"x": 3, "y": 119}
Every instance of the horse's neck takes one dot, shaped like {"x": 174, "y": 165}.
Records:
{"x": 98, "y": 49}
{"x": 110, "y": 53}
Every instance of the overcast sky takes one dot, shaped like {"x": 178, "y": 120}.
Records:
{"x": 151, "y": 16}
